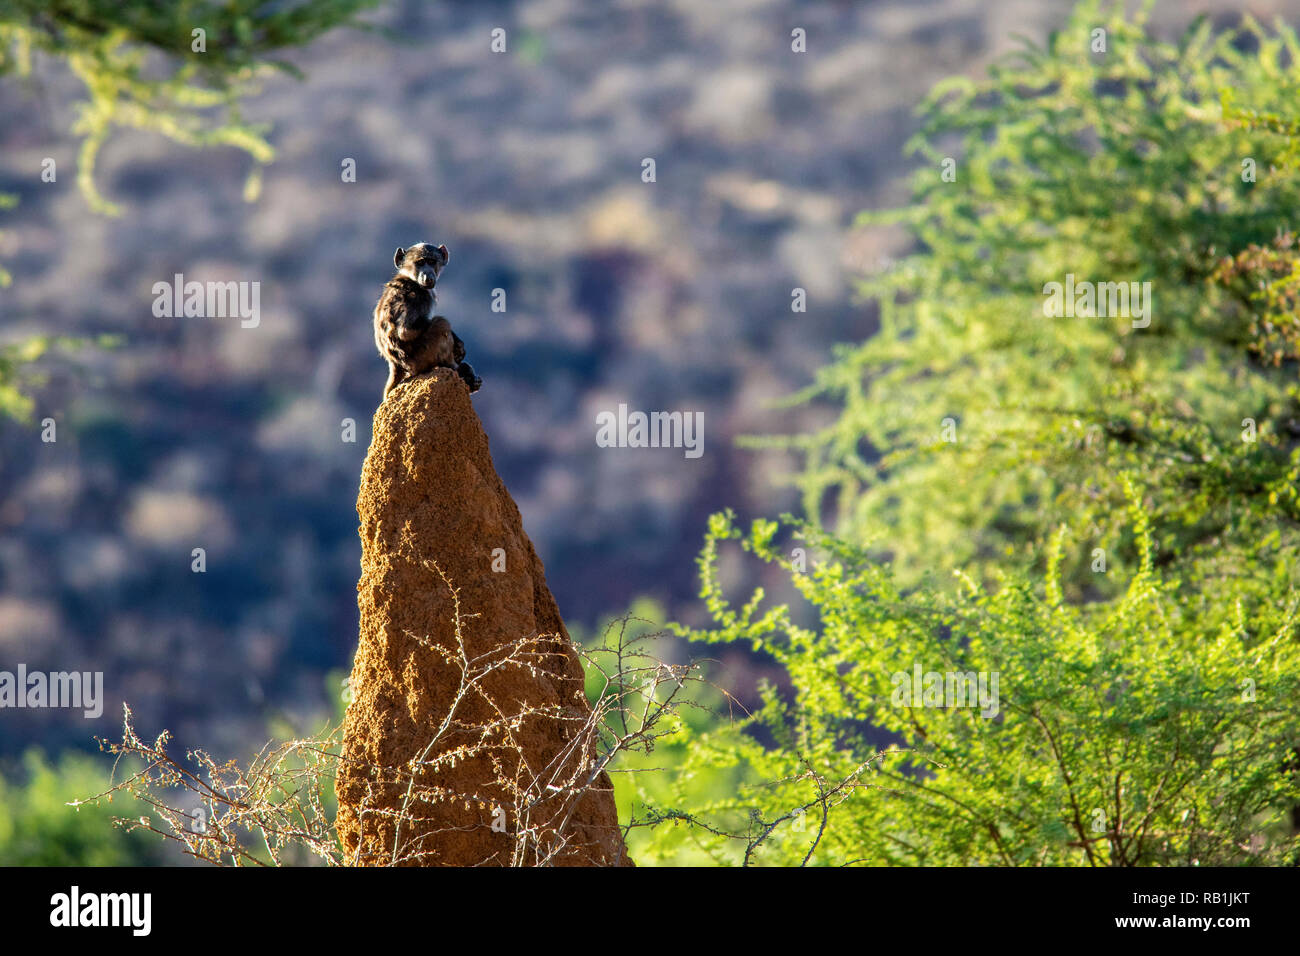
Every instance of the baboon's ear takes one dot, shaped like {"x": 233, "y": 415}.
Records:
{"x": 399, "y": 256}
{"x": 445, "y": 254}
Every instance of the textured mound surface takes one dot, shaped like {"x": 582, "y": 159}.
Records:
{"x": 468, "y": 738}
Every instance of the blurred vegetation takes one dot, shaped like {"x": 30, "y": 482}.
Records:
{"x": 142, "y": 69}
{"x": 1113, "y": 531}
{"x": 177, "y": 69}
{"x": 38, "y": 828}
{"x": 1107, "y": 519}
{"x": 1114, "y": 167}
{"x": 18, "y": 374}
{"x": 145, "y": 68}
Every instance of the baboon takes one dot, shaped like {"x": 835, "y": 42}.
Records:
{"x": 409, "y": 336}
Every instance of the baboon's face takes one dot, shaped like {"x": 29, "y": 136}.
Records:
{"x": 421, "y": 262}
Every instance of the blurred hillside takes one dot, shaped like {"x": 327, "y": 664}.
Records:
{"x": 673, "y": 295}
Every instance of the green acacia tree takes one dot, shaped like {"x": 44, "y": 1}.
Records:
{"x": 1100, "y": 510}
{"x": 1112, "y": 167}
{"x": 177, "y": 69}
{"x": 1154, "y": 729}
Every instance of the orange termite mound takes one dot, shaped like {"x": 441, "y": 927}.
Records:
{"x": 468, "y": 740}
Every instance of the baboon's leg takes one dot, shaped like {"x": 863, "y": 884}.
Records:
{"x": 466, "y": 372}
{"x": 439, "y": 343}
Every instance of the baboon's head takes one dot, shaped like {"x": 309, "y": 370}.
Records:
{"x": 421, "y": 262}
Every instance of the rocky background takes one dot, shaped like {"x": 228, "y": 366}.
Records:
{"x": 668, "y": 296}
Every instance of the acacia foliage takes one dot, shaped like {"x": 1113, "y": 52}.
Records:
{"x": 1114, "y": 530}
{"x": 1114, "y": 167}
{"x": 1154, "y": 729}
{"x": 144, "y": 67}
